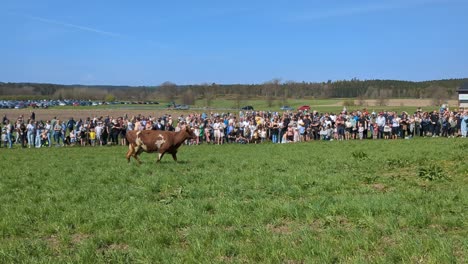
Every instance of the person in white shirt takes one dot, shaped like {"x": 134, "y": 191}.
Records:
{"x": 98, "y": 129}
{"x": 380, "y": 121}
{"x": 217, "y": 132}
{"x": 48, "y": 131}
{"x": 31, "y": 132}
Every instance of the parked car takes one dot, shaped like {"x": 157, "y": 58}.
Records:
{"x": 182, "y": 107}
{"x": 248, "y": 107}
{"x": 304, "y": 108}
{"x": 20, "y": 105}
{"x": 286, "y": 108}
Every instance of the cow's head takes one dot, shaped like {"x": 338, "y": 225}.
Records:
{"x": 189, "y": 132}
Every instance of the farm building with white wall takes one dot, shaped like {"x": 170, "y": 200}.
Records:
{"x": 463, "y": 95}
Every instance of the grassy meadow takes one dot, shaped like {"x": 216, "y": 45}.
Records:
{"x": 317, "y": 202}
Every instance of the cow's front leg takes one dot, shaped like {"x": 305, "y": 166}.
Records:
{"x": 174, "y": 156}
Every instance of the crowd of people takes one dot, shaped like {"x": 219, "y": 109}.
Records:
{"x": 244, "y": 127}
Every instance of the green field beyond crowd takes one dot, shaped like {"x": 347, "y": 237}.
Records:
{"x": 316, "y": 202}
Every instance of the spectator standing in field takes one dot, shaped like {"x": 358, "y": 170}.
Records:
{"x": 78, "y": 125}
{"x": 444, "y": 125}
{"x": 464, "y": 124}
{"x": 71, "y": 124}
{"x": 324, "y": 133}
{"x": 58, "y": 132}
{"x": 138, "y": 126}
{"x": 123, "y": 131}
{"x": 39, "y": 130}
{"x": 208, "y": 131}
{"x": 64, "y": 131}
{"x": 148, "y": 125}
{"x": 170, "y": 126}
{"x": 263, "y": 134}
{"x": 301, "y": 130}
{"x": 31, "y": 133}
{"x": 425, "y": 124}
{"x": 48, "y": 128}
{"x": 83, "y": 135}
{"x": 130, "y": 125}
{"x": 23, "y": 134}
{"x": 9, "y": 131}
{"x": 275, "y": 130}
{"x": 52, "y": 124}
{"x": 417, "y": 124}
{"x": 349, "y": 128}
{"x": 364, "y": 123}
{"x": 284, "y": 126}
{"x": 381, "y": 122}
{"x": 72, "y": 136}
{"x": 360, "y": 130}
{"x": 99, "y": 129}
{"x": 340, "y": 127}
{"x": 289, "y": 133}
{"x": 315, "y": 127}
{"x": 4, "y": 137}
{"x": 395, "y": 127}
{"x": 217, "y": 132}
{"x": 435, "y": 123}
{"x": 92, "y": 137}
{"x": 159, "y": 125}
{"x": 105, "y": 132}
{"x": 387, "y": 130}
{"x": 452, "y": 123}
{"x": 16, "y": 128}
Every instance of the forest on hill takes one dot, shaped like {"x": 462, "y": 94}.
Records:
{"x": 271, "y": 90}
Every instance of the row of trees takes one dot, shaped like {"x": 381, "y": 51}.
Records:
{"x": 269, "y": 91}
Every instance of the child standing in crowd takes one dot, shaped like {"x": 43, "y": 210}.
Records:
{"x": 376, "y": 132}
{"x": 263, "y": 134}
{"x": 92, "y": 137}
{"x": 360, "y": 131}
{"x": 387, "y": 130}
{"x": 72, "y": 137}
{"x": 323, "y": 133}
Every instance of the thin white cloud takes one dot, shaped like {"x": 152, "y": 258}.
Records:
{"x": 364, "y": 9}
{"x": 82, "y": 28}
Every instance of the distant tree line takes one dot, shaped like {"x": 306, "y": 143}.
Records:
{"x": 269, "y": 91}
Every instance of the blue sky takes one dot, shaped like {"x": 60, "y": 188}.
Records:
{"x": 227, "y": 42}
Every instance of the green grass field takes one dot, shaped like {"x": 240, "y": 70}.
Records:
{"x": 316, "y": 202}
{"x": 226, "y": 104}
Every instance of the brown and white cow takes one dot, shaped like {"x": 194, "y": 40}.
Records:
{"x": 156, "y": 141}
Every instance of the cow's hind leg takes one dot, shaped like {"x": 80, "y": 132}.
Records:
{"x": 137, "y": 152}
{"x": 160, "y": 155}
{"x": 131, "y": 151}
{"x": 174, "y": 156}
